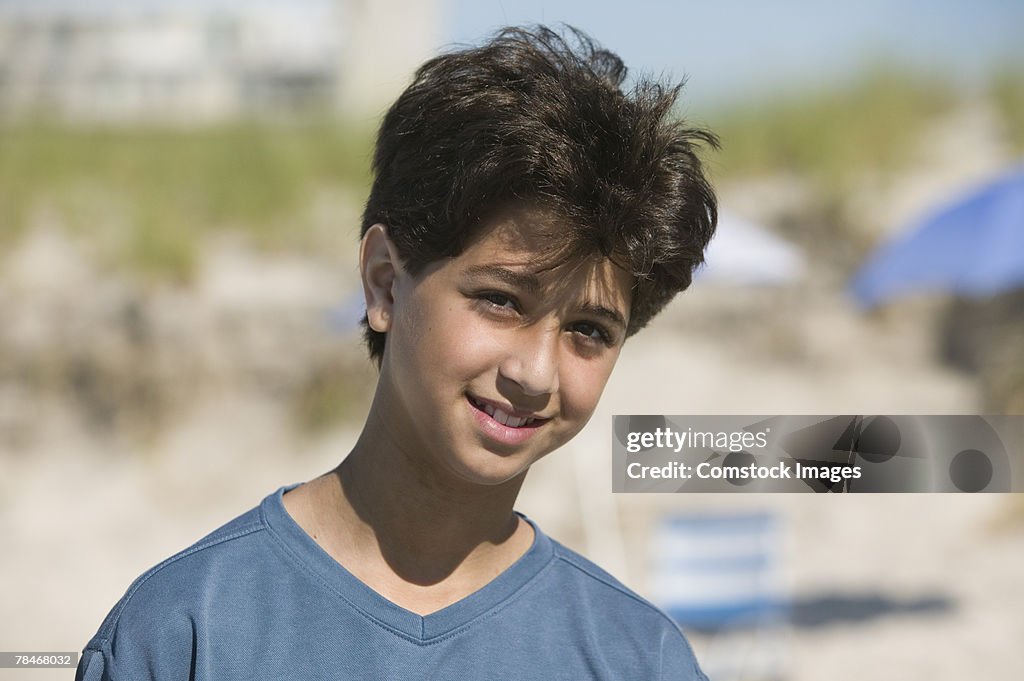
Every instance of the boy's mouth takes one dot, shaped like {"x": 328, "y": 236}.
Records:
{"x": 503, "y": 416}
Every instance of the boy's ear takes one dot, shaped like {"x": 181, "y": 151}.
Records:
{"x": 379, "y": 266}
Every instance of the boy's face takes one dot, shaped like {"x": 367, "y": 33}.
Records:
{"x": 490, "y": 362}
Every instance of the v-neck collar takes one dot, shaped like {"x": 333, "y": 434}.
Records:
{"x": 421, "y": 628}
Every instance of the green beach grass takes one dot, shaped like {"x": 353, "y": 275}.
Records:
{"x": 832, "y": 135}
{"x": 148, "y": 195}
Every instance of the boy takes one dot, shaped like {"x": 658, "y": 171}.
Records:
{"x": 526, "y": 217}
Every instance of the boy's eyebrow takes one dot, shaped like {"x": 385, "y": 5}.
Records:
{"x": 523, "y": 280}
{"x": 608, "y": 313}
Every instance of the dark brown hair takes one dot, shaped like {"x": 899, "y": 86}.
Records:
{"x": 537, "y": 119}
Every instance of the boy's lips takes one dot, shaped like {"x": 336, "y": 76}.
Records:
{"x": 503, "y": 423}
{"x": 506, "y": 414}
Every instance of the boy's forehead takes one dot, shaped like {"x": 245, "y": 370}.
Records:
{"x": 531, "y": 228}
{"x": 532, "y": 235}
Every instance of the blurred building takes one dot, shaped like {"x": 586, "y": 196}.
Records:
{"x": 205, "y": 61}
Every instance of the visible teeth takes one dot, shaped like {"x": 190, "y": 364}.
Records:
{"x": 503, "y": 417}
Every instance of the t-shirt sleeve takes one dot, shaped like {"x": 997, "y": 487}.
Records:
{"x": 92, "y": 666}
{"x": 678, "y": 663}
{"x": 146, "y": 637}
{"x": 154, "y": 632}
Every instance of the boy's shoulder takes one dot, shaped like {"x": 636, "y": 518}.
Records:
{"x": 575, "y": 606}
{"x": 215, "y": 561}
{"x": 155, "y": 624}
{"x": 585, "y": 583}
{"x": 593, "y": 577}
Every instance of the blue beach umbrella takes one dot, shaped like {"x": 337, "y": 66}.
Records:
{"x": 973, "y": 247}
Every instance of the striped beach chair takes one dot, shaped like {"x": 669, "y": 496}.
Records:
{"x": 721, "y": 576}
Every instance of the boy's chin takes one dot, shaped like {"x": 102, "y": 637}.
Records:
{"x": 488, "y": 469}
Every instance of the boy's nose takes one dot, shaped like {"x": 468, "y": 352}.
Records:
{"x": 532, "y": 364}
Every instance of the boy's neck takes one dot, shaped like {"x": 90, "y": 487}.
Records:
{"x": 421, "y": 541}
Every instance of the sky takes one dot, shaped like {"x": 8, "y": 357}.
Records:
{"x": 732, "y": 49}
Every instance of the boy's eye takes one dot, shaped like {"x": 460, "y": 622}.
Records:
{"x": 500, "y": 300}
{"x": 592, "y": 332}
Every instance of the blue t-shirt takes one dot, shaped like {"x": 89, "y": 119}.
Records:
{"x": 259, "y": 599}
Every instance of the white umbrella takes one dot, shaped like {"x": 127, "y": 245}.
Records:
{"x": 745, "y": 254}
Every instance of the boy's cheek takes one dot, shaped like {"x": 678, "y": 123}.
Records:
{"x": 582, "y": 391}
